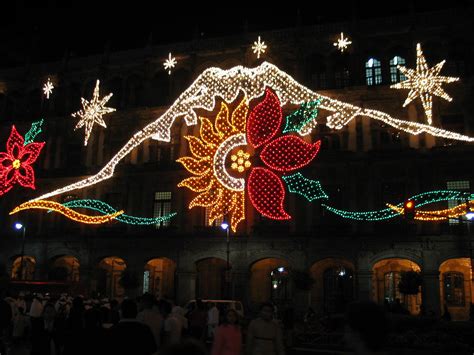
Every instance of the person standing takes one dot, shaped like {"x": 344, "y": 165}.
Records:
{"x": 45, "y": 333}
{"x": 264, "y": 335}
{"x": 212, "y": 319}
{"x": 228, "y": 337}
{"x": 151, "y": 317}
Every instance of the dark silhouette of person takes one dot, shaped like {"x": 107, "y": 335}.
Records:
{"x": 366, "y": 327}
{"x": 446, "y": 314}
{"x": 5, "y": 318}
{"x": 46, "y": 336}
{"x": 130, "y": 336}
{"x": 198, "y": 321}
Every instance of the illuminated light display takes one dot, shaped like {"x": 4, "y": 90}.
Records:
{"x": 259, "y": 47}
{"x": 420, "y": 200}
{"x": 342, "y": 42}
{"x": 310, "y": 189}
{"x": 106, "y": 209}
{"x": 438, "y": 215}
{"x": 424, "y": 82}
{"x": 33, "y": 132}
{"x": 15, "y": 163}
{"x": 67, "y": 212}
{"x": 267, "y": 193}
{"x": 170, "y": 63}
{"x": 92, "y": 112}
{"x": 303, "y": 117}
{"x": 265, "y": 119}
{"x": 48, "y": 88}
{"x": 288, "y": 153}
{"x": 228, "y": 85}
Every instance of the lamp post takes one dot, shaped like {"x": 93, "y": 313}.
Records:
{"x": 19, "y": 226}
{"x": 225, "y": 226}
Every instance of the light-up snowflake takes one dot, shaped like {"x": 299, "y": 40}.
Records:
{"x": 259, "y": 47}
{"x": 170, "y": 63}
{"x": 342, "y": 42}
{"x": 48, "y": 88}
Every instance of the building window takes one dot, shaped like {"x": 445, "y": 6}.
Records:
{"x": 342, "y": 78}
{"x": 395, "y": 74}
{"x": 162, "y": 207}
{"x": 146, "y": 281}
{"x": 373, "y": 72}
{"x": 460, "y": 185}
{"x": 391, "y": 291}
{"x": 453, "y": 283}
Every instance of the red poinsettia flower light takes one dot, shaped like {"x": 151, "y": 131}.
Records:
{"x": 283, "y": 154}
{"x": 15, "y": 164}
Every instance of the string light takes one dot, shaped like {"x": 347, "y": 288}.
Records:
{"x": 48, "y": 88}
{"x": 310, "y": 189}
{"x": 33, "y": 132}
{"x": 267, "y": 193}
{"x": 170, "y": 63}
{"x": 342, "y": 42}
{"x": 420, "y": 200}
{"x": 264, "y": 120}
{"x": 67, "y": 212}
{"x": 424, "y": 82}
{"x": 259, "y": 47}
{"x": 307, "y": 113}
{"x": 15, "y": 163}
{"x": 288, "y": 153}
{"x": 228, "y": 85}
{"x": 106, "y": 209}
{"x": 92, "y": 112}
{"x": 439, "y": 215}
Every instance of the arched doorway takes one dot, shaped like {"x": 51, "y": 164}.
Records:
{"x": 387, "y": 274}
{"x": 23, "y": 268}
{"x": 64, "y": 268}
{"x": 158, "y": 278}
{"x": 455, "y": 276}
{"x": 334, "y": 285}
{"x": 211, "y": 281}
{"x": 109, "y": 273}
{"x": 265, "y": 274}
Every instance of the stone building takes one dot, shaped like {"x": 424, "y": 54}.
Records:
{"x": 361, "y": 167}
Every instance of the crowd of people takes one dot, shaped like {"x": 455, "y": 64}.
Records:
{"x": 41, "y": 325}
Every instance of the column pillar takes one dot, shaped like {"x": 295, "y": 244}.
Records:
{"x": 430, "y": 293}
{"x": 364, "y": 285}
{"x": 186, "y": 290}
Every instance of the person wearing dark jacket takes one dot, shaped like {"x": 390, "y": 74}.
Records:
{"x": 130, "y": 336}
{"x": 46, "y": 337}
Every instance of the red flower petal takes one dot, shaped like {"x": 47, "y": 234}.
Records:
{"x": 14, "y": 141}
{"x": 30, "y": 153}
{"x": 289, "y": 153}
{"x": 267, "y": 193}
{"x": 26, "y": 176}
{"x": 5, "y": 161}
{"x": 4, "y": 188}
{"x": 264, "y": 120}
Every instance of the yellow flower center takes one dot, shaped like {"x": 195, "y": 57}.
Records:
{"x": 240, "y": 161}
{"x": 16, "y": 164}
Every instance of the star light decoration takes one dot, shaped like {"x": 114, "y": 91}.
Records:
{"x": 259, "y": 47}
{"x": 170, "y": 63}
{"x": 424, "y": 82}
{"x": 92, "y": 112}
{"x": 48, "y": 88}
{"x": 342, "y": 42}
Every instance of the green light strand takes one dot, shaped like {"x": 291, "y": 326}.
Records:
{"x": 420, "y": 200}
{"x": 102, "y": 207}
{"x": 33, "y": 132}
{"x": 307, "y": 112}
{"x": 310, "y": 189}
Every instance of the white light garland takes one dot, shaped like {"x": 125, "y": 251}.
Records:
{"x": 220, "y": 170}
{"x": 228, "y": 84}
{"x": 259, "y": 47}
{"x": 342, "y": 42}
{"x": 424, "y": 82}
{"x": 48, "y": 88}
{"x": 92, "y": 112}
{"x": 170, "y": 63}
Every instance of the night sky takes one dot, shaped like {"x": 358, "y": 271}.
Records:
{"x": 46, "y": 30}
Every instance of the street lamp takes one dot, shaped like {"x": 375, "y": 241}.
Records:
{"x": 19, "y": 226}
{"x": 225, "y": 226}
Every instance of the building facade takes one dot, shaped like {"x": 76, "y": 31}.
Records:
{"x": 361, "y": 167}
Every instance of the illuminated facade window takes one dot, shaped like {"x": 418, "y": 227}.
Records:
{"x": 453, "y": 283}
{"x": 391, "y": 291}
{"x": 460, "y": 185}
{"x": 373, "y": 72}
{"x": 395, "y": 75}
{"x": 162, "y": 207}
